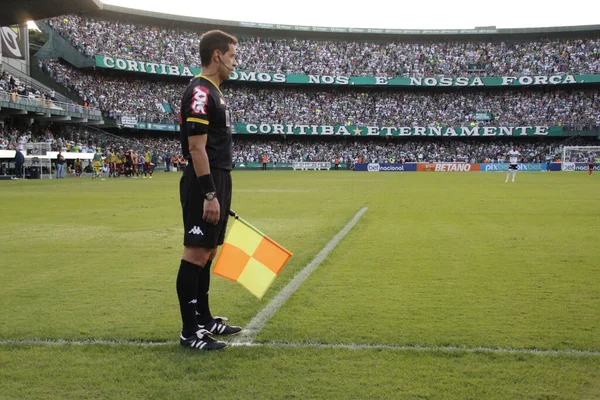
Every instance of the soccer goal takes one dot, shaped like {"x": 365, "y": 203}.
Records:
{"x": 579, "y": 153}
{"x": 37, "y": 161}
{"x": 305, "y": 166}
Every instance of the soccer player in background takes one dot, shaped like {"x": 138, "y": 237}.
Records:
{"x": 591, "y": 161}
{"x": 97, "y": 165}
{"x": 205, "y": 189}
{"x": 140, "y": 163}
{"x": 134, "y": 163}
{"x": 513, "y": 160}
{"x": 548, "y": 162}
{"x": 78, "y": 168}
{"x": 147, "y": 163}
{"x": 119, "y": 163}
{"x": 128, "y": 161}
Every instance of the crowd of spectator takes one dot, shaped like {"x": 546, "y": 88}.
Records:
{"x": 144, "y": 99}
{"x": 337, "y": 57}
{"x": 384, "y": 151}
{"x": 12, "y": 86}
{"x": 159, "y": 100}
{"x": 79, "y": 139}
{"x": 71, "y": 138}
{"x": 117, "y": 96}
{"x": 376, "y": 108}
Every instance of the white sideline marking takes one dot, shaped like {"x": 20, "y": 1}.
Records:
{"x": 263, "y": 316}
{"x": 316, "y": 345}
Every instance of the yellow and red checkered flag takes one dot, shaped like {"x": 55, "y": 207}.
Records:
{"x": 250, "y": 258}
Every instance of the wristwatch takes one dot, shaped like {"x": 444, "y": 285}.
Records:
{"x": 210, "y": 195}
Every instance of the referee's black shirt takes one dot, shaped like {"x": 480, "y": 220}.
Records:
{"x": 204, "y": 112}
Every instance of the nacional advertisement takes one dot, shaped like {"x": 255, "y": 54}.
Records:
{"x": 144, "y": 67}
{"x": 421, "y": 167}
{"x": 578, "y": 166}
{"x": 383, "y": 167}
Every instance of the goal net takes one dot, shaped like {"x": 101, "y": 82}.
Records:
{"x": 573, "y": 154}
{"x": 305, "y": 166}
{"x": 38, "y": 164}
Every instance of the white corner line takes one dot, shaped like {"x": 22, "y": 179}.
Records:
{"x": 312, "y": 345}
{"x": 419, "y": 348}
{"x": 261, "y": 318}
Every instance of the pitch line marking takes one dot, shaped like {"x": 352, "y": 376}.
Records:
{"x": 315, "y": 345}
{"x": 258, "y": 322}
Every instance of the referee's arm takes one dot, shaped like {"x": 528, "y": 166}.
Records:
{"x": 198, "y": 152}
{"x": 197, "y": 143}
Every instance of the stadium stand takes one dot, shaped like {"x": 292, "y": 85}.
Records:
{"x": 308, "y": 56}
{"x": 119, "y": 96}
{"x": 152, "y": 101}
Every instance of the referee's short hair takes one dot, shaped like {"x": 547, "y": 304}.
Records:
{"x": 214, "y": 40}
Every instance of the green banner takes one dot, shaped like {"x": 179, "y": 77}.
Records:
{"x": 157, "y": 127}
{"x": 264, "y": 77}
{"x": 352, "y": 130}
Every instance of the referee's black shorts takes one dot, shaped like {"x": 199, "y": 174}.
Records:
{"x": 198, "y": 232}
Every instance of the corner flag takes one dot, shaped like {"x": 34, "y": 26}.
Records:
{"x": 250, "y": 258}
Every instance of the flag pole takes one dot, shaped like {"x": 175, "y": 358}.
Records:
{"x": 248, "y": 224}
{"x": 255, "y": 229}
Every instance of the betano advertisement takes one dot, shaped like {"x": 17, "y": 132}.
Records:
{"x": 448, "y": 167}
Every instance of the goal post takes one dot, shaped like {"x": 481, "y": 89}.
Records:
{"x": 37, "y": 160}
{"x": 314, "y": 165}
{"x": 579, "y": 153}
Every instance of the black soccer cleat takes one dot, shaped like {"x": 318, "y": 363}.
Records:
{"x": 217, "y": 327}
{"x": 201, "y": 340}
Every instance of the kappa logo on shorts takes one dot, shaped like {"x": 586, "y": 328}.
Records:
{"x": 196, "y": 231}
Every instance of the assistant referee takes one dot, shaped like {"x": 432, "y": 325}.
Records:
{"x": 205, "y": 189}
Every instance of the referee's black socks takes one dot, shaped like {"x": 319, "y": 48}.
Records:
{"x": 187, "y": 292}
{"x": 203, "y": 314}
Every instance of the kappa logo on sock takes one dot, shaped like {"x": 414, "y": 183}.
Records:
{"x": 196, "y": 231}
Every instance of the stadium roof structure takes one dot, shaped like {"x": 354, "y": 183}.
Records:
{"x": 18, "y": 12}
{"x": 109, "y": 10}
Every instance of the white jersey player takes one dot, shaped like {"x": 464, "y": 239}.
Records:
{"x": 513, "y": 163}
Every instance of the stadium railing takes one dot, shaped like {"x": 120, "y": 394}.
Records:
{"x": 38, "y": 104}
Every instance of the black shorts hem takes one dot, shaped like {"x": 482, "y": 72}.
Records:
{"x": 198, "y": 232}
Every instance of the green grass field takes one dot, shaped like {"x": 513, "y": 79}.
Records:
{"x": 439, "y": 261}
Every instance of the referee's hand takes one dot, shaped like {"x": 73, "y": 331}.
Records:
{"x": 212, "y": 211}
